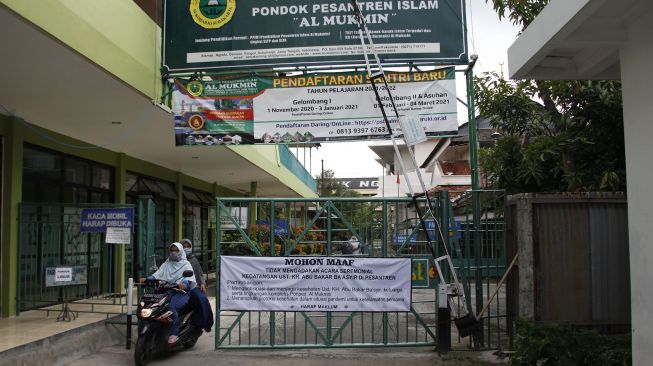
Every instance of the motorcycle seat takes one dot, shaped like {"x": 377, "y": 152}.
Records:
{"x": 186, "y": 309}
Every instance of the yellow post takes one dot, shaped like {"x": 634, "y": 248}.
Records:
{"x": 12, "y": 191}
{"x": 119, "y": 275}
{"x": 253, "y": 206}
{"x": 179, "y": 211}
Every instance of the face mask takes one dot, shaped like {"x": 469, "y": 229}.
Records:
{"x": 175, "y": 256}
{"x": 188, "y": 250}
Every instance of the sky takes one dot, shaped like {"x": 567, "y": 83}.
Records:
{"x": 488, "y": 37}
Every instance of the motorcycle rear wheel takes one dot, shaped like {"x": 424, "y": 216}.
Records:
{"x": 141, "y": 353}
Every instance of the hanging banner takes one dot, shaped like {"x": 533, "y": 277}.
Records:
{"x": 210, "y": 34}
{"x": 310, "y": 108}
{"x": 315, "y": 284}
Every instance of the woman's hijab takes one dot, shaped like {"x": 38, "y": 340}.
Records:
{"x": 172, "y": 271}
{"x": 189, "y": 251}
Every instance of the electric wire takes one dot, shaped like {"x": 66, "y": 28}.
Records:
{"x": 471, "y": 27}
{"x": 472, "y": 37}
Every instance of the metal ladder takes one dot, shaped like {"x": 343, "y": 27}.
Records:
{"x": 453, "y": 289}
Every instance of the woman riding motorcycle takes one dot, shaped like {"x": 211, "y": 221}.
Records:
{"x": 172, "y": 271}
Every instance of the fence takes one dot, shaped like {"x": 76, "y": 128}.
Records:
{"x": 387, "y": 227}
{"x": 574, "y": 261}
{"x": 50, "y": 236}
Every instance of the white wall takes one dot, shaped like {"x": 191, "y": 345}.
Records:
{"x": 421, "y": 152}
{"x": 388, "y": 186}
{"x": 637, "y": 78}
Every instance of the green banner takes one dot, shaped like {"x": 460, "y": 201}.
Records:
{"x": 310, "y": 108}
{"x": 215, "y": 34}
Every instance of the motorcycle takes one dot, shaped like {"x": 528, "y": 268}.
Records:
{"x": 154, "y": 321}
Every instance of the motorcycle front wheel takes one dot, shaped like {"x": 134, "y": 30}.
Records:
{"x": 141, "y": 352}
{"x": 190, "y": 343}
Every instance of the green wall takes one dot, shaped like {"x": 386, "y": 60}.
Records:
{"x": 120, "y": 38}
{"x": 116, "y": 35}
{"x": 267, "y": 158}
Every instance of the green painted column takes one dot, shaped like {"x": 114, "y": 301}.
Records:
{"x": 253, "y": 206}
{"x": 213, "y": 225}
{"x": 179, "y": 210}
{"x": 12, "y": 191}
{"x": 119, "y": 253}
{"x": 473, "y": 140}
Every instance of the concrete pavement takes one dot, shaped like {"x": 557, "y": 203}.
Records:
{"x": 204, "y": 354}
{"x": 312, "y": 357}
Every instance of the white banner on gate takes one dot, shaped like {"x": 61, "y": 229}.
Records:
{"x": 315, "y": 284}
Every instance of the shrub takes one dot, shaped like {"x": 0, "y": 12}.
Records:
{"x": 550, "y": 344}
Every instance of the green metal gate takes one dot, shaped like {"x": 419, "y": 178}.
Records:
{"x": 386, "y": 227}
{"x": 49, "y": 235}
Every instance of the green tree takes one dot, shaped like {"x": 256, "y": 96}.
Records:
{"x": 520, "y": 12}
{"x": 556, "y": 135}
{"x": 362, "y": 216}
{"x": 328, "y": 186}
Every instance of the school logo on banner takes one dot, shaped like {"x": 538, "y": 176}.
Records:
{"x": 212, "y": 14}
{"x": 195, "y": 88}
{"x": 196, "y": 122}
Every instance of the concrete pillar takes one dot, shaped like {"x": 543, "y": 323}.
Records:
{"x": 637, "y": 79}
{"x": 526, "y": 270}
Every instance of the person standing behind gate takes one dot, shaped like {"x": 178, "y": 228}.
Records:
{"x": 197, "y": 268}
{"x": 355, "y": 245}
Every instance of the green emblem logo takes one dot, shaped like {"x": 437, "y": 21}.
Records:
{"x": 195, "y": 88}
{"x": 212, "y": 14}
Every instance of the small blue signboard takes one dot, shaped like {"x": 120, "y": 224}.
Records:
{"x": 453, "y": 234}
{"x": 281, "y": 227}
{"x": 96, "y": 220}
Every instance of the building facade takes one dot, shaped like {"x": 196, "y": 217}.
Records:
{"x": 80, "y": 124}
{"x": 607, "y": 39}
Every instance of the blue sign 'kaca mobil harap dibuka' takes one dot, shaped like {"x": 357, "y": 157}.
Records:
{"x": 99, "y": 219}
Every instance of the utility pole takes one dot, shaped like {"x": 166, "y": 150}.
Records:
{"x": 322, "y": 194}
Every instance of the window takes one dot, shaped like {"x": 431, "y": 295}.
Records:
{"x": 195, "y": 219}
{"x": 78, "y": 171}
{"x": 51, "y": 176}
{"x": 163, "y": 194}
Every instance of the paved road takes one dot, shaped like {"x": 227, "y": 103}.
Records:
{"x": 203, "y": 354}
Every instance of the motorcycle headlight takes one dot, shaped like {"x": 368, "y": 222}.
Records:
{"x": 145, "y": 313}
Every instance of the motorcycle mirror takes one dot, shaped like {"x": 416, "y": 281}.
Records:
{"x": 188, "y": 273}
